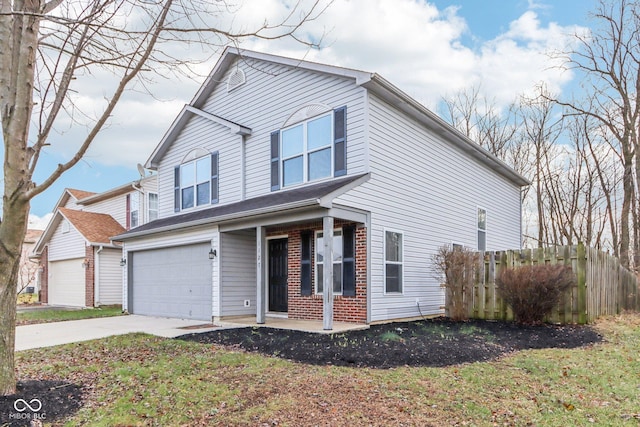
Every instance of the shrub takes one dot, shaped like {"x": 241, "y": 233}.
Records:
{"x": 533, "y": 290}
{"x": 458, "y": 266}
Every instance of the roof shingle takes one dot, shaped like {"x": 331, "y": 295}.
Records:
{"x": 94, "y": 227}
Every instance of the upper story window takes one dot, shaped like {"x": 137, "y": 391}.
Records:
{"x": 134, "y": 209}
{"x": 196, "y": 182}
{"x": 482, "y": 229}
{"x": 309, "y": 150}
{"x": 152, "y": 206}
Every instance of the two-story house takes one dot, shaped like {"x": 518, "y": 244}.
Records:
{"x": 298, "y": 189}
{"x": 79, "y": 262}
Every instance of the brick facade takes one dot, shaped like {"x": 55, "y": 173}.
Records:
{"x": 345, "y": 308}
{"x": 89, "y": 284}
{"x": 43, "y": 295}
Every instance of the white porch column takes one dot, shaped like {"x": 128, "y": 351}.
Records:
{"x": 327, "y": 265}
{"x": 261, "y": 261}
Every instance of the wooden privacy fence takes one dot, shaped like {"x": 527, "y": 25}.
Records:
{"x": 602, "y": 287}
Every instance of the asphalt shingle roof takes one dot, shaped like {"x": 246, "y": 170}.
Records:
{"x": 272, "y": 200}
{"x": 95, "y": 227}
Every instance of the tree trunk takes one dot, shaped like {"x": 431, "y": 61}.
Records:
{"x": 12, "y": 231}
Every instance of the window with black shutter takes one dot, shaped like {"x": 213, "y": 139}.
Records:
{"x": 305, "y": 263}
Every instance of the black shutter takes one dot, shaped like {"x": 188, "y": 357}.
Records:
{"x": 214, "y": 178}
{"x": 305, "y": 263}
{"x": 275, "y": 160}
{"x": 176, "y": 189}
{"x": 340, "y": 141}
{"x": 349, "y": 261}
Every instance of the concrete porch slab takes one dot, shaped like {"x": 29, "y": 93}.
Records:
{"x": 313, "y": 326}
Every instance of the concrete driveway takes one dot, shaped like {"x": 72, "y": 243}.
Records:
{"x": 50, "y": 334}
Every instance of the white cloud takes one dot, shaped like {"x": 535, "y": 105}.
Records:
{"x": 416, "y": 46}
{"x": 39, "y": 223}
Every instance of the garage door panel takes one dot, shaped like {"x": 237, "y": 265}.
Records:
{"x": 173, "y": 282}
{"x": 66, "y": 285}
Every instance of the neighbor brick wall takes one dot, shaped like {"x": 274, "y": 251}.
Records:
{"x": 43, "y": 295}
{"x": 345, "y": 309}
{"x": 89, "y": 276}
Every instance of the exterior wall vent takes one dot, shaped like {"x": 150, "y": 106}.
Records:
{"x": 236, "y": 78}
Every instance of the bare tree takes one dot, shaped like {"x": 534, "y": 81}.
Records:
{"x": 609, "y": 60}
{"x": 46, "y": 45}
{"x": 541, "y": 130}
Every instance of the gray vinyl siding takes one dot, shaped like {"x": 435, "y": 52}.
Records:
{"x": 270, "y": 95}
{"x": 238, "y": 272}
{"x": 115, "y": 206}
{"x": 109, "y": 277}
{"x": 424, "y": 187}
{"x": 202, "y": 133}
{"x": 66, "y": 245}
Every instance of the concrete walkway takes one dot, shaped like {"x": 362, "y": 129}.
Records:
{"x": 50, "y": 334}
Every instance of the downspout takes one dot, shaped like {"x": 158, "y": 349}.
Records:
{"x": 243, "y": 167}
{"x": 141, "y": 205}
{"x": 96, "y": 278}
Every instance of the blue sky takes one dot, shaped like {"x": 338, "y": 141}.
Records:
{"x": 427, "y": 48}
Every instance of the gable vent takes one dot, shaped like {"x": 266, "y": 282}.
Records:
{"x": 236, "y": 78}
{"x": 306, "y": 113}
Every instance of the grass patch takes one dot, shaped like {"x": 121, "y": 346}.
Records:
{"x": 142, "y": 380}
{"x": 57, "y": 315}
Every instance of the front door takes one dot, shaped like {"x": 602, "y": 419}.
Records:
{"x": 278, "y": 275}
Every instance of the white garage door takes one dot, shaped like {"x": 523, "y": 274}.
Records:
{"x": 66, "y": 282}
{"x": 172, "y": 282}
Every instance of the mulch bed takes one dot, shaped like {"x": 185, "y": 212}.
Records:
{"x": 37, "y": 402}
{"x": 431, "y": 342}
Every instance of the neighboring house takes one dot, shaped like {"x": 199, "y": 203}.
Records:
{"x": 28, "y": 274}
{"x": 80, "y": 263}
{"x": 291, "y": 188}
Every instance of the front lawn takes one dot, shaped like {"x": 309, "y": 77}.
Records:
{"x": 142, "y": 380}
{"x": 46, "y": 315}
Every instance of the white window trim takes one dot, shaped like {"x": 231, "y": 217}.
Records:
{"x": 486, "y": 226}
{"x": 149, "y": 205}
{"x": 315, "y": 263}
{"x": 306, "y": 152}
{"x": 384, "y": 261}
{"x": 195, "y": 183}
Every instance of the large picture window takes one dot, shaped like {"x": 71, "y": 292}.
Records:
{"x": 393, "y": 261}
{"x": 337, "y": 262}
{"x": 307, "y": 151}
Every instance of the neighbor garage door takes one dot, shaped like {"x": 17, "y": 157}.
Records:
{"x": 66, "y": 282}
{"x": 172, "y": 282}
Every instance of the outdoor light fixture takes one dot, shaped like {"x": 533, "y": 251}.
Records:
{"x": 85, "y": 264}
{"x": 212, "y": 253}
{"x": 123, "y": 262}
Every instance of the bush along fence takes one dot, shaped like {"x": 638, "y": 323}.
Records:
{"x": 603, "y": 286}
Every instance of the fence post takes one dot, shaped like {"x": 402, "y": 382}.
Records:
{"x": 582, "y": 284}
